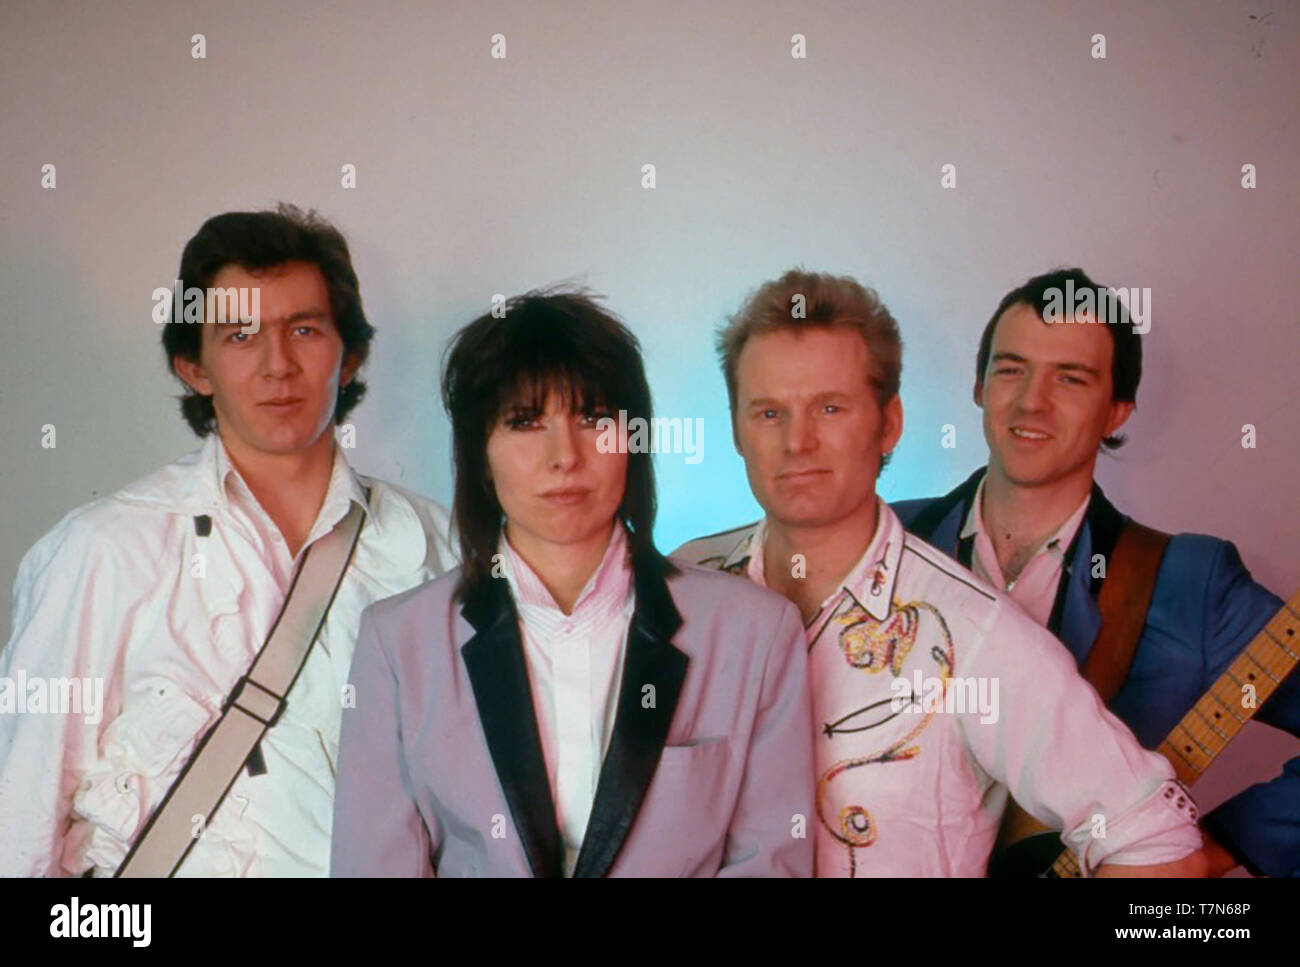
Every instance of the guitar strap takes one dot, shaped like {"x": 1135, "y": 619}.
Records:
{"x": 252, "y": 708}
{"x": 1123, "y": 601}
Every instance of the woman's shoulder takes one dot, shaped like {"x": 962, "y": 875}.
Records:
{"x": 706, "y": 589}
{"x": 420, "y": 603}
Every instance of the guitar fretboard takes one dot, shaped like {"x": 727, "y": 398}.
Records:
{"x": 1231, "y": 702}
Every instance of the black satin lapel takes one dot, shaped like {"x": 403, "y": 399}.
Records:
{"x": 1064, "y": 584}
{"x": 966, "y": 551}
{"x": 1105, "y": 523}
{"x": 959, "y": 498}
{"x": 1075, "y": 618}
{"x": 639, "y": 732}
{"x": 494, "y": 659}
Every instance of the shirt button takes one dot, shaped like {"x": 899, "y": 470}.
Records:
{"x": 568, "y": 627}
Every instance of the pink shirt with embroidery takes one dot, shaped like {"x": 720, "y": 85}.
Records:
{"x": 933, "y": 694}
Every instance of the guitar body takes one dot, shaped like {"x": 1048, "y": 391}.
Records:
{"x": 1032, "y": 856}
{"x": 1025, "y": 847}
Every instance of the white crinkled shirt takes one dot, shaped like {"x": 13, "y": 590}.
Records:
{"x": 126, "y": 589}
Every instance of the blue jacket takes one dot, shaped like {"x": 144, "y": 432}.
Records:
{"x": 1205, "y": 610}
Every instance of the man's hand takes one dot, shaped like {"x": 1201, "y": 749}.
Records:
{"x": 1220, "y": 860}
{"x": 1195, "y": 864}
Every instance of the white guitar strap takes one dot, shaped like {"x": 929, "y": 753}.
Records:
{"x": 252, "y": 708}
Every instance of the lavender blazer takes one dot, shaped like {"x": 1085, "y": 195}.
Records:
{"x": 441, "y": 771}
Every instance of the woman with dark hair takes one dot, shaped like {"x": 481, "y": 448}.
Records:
{"x": 568, "y": 702}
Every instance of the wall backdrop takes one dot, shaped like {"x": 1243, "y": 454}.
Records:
{"x": 477, "y": 175}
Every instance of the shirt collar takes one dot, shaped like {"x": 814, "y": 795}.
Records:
{"x": 393, "y": 541}
{"x": 871, "y": 579}
{"x": 343, "y": 489}
{"x": 605, "y": 594}
{"x": 737, "y": 559}
{"x": 1057, "y": 542}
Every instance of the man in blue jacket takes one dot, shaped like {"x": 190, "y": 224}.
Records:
{"x": 1054, "y": 390}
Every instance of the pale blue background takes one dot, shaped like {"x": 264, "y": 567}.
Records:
{"x": 478, "y": 176}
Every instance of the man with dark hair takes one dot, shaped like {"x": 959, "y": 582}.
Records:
{"x": 258, "y": 241}
{"x": 1053, "y": 293}
{"x": 1055, "y": 388}
{"x": 932, "y": 694}
{"x": 183, "y": 593}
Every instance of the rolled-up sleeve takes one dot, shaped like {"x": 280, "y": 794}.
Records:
{"x": 1068, "y": 761}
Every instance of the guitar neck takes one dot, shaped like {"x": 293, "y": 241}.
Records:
{"x": 1230, "y": 703}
